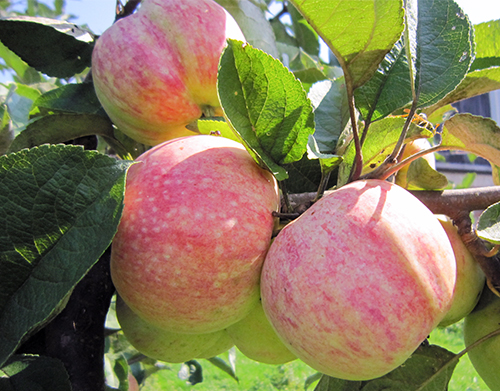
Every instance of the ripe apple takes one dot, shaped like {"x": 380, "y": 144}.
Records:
{"x": 155, "y": 71}
{"x": 484, "y": 320}
{"x": 357, "y": 282}
{"x": 160, "y": 344}
{"x": 255, "y": 338}
{"x": 470, "y": 277}
{"x": 412, "y": 148}
{"x": 195, "y": 228}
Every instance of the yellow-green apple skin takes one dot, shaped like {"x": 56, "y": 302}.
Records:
{"x": 155, "y": 71}
{"x": 255, "y": 338}
{"x": 356, "y": 283}
{"x": 195, "y": 228}
{"x": 484, "y": 320}
{"x": 160, "y": 344}
{"x": 223, "y": 344}
{"x": 411, "y": 148}
{"x": 470, "y": 277}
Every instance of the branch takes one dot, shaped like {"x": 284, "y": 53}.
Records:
{"x": 76, "y": 335}
{"x": 447, "y": 202}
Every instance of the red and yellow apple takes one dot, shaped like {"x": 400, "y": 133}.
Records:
{"x": 357, "y": 282}
{"x": 155, "y": 71}
{"x": 195, "y": 228}
{"x": 255, "y": 338}
{"x": 470, "y": 277}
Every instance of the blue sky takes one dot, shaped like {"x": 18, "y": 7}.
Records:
{"x": 99, "y": 14}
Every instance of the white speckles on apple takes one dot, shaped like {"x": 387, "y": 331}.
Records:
{"x": 230, "y": 223}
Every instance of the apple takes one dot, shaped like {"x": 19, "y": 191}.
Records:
{"x": 470, "y": 277}
{"x": 223, "y": 344}
{"x": 484, "y": 320}
{"x": 195, "y": 228}
{"x": 255, "y": 338}
{"x": 132, "y": 383}
{"x": 411, "y": 148}
{"x": 357, "y": 282}
{"x": 160, "y": 344}
{"x": 155, "y": 71}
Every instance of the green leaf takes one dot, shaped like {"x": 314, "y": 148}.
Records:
{"x": 487, "y": 40}
{"x": 266, "y": 105}
{"x": 331, "y": 112}
{"x": 59, "y": 207}
{"x": 359, "y": 33}
{"x": 304, "y": 175}
{"x": 484, "y": 75}
{"x": 59, "y": 128}
{"x": 439, "y": 46}
{"x": 421, "y": 176}
{"x": 253, "y": 23}
{"x": 71, "y": 98}
{"x": 29, "y": 373}
{"x": 389, "y": 89}
{"x": 428, "y": 369}
{"x": 380, "y": 140}
{"x": 475, "y": 134}
{"x": 488, "y": 226}
{"x": 53, "y": 47}
{"x": 223, "y": 366}
{"x": 23, "y": 72}
{"x": 216, "y": 127}
{"x": 306, "y": 37}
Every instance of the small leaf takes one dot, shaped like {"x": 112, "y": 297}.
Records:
{"x": 475, "y": 134}
{"x": 488, "y": 226}
{"x": 51, "y": 46}
{"x": 60, "y": 208}
{"x": 266, "y": 105}
{"x": 223, "y": 366}
{"x": 421, "y": 176}
{"x": 331, "y": 112}
{"x": 377, "y": 25}
{"x": 26, "y": 373}
{"x": 216, "y": 127}
{"x": 71, "y": 98}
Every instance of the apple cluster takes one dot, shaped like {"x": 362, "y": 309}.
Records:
{"x": 352, "y": 287}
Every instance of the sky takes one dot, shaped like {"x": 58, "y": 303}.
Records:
{"x": 99, "y": 14}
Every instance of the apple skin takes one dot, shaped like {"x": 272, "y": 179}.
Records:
{"x": 412, "y": 148}
{"x": 470, "y": 277}
{"x": 160, "y": 344}
{"x": 195, "y": 228}
{"x": 357, "y": 282}
{"x": 223, "y": 344}
{"x": 255, "y": 338}
{"x": 482, "y": 321}
{"x": 155, "y": 71}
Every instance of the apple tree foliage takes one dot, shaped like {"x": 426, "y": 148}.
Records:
{"x": 315, "y": 123}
